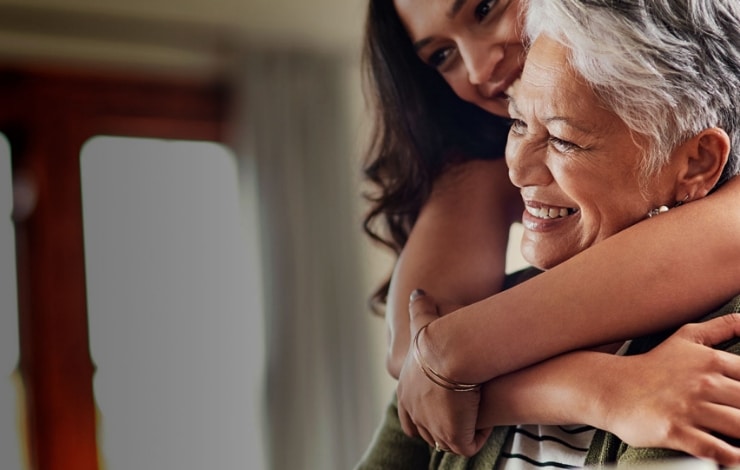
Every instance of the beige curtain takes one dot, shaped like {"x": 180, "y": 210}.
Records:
{"x": 300, "y": 146}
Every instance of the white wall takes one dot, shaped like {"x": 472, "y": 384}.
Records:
{"x": 325, "y": 24}
{"x": 192, "y": 35}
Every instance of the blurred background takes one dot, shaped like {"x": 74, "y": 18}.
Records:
{"x": 184, "y": 275}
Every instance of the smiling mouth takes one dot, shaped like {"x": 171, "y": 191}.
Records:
{"x": 550, "y": 212}
{"x": 500, "y": 91}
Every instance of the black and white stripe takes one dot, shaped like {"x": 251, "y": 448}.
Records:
{"x": 536, "y": 447}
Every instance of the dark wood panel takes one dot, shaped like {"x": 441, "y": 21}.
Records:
{"x": 48, "y": 114}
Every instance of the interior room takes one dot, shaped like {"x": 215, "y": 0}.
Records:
{"x": 184, "y": 276}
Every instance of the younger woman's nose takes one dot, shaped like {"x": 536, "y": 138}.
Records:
{"x": 481, "y": 61}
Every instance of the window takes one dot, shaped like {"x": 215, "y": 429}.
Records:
{"x": 10, "y": 383}
{"x": 47, "y": 116}
{"x": 174, "y": 316}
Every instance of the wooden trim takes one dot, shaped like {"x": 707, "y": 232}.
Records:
{"x": 48, "y": 115}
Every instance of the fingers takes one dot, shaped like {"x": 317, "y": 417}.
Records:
{"x": 427, "y": 436}
{"x": 722, "y": 419}
{"x": 407, "y": 424}
{"x": 413, "y": 430}
{"x": 713, "y": 331}
{"x": 471, "y": 448}
{"x": 725, "y": 390}
{"x": 422, "y": 309}
{"x": 704, "y": 445}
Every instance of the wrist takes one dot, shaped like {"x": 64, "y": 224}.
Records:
{"x": 605, "y": 397}
{"x": 433, "y": 373}
{"x": 452, "y": 350}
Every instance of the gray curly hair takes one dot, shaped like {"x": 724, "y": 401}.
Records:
{"x": 668, "y": 68}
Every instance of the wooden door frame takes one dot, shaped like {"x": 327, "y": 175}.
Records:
{"x": 47, "y": 116}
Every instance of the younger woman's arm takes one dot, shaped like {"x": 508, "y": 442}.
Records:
{"x": 457, "y": 248}
{"x": 676, "y": 396}
{"x": 650, "y": 277}
{"x": 657, "y": 274}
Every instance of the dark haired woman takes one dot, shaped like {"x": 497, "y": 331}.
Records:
{"x": 444, "y": 204}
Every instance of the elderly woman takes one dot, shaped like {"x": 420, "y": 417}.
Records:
{"x": 624, "y": 110}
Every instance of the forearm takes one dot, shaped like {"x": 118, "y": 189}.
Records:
{"x": 657, "y": 274}
{"x": 456, "y": 249}
{"x": 563, "y": 390}
{"x": 681, "y": 394}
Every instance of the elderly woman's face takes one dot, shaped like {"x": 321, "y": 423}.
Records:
{"x": 476, "y": 45}
{"x": 576, "y": 162}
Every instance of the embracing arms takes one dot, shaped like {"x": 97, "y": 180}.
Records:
{"x": 655, "y": 275}
{"x": 674, "y": 396}
{"x": 658, "y": 274}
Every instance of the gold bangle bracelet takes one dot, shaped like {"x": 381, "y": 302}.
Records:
{"x": 435, "y": 376}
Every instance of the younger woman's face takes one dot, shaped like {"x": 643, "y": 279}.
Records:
{"x": 475, "y": 44}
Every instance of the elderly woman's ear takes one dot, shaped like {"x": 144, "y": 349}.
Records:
{"x": 703, "y": 157}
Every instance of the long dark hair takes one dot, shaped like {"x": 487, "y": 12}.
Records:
{"x": 421, "y": 127}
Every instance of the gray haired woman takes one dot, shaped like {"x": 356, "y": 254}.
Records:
{"x": 624, "y": 110}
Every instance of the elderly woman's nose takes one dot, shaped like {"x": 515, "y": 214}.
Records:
{"x": 481, "y": 61}
{"x": 526, "y": 164}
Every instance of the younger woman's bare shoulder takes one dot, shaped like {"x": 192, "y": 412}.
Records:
{"x": 473, "y": 171}
{"x": 477, "y": 187}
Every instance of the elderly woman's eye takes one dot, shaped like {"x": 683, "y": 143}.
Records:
{"x": 518, "y": 127}
{"x": 562, "y": 146}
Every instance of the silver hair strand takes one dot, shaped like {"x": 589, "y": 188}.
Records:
{"x": 668, "y": 68}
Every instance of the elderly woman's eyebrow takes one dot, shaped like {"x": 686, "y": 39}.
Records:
{"x": 568, "y": 121}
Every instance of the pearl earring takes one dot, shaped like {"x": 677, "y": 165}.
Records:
{"x": 661, "y": 209}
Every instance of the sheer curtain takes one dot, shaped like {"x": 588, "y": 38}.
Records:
{"x": 299, "y": 140}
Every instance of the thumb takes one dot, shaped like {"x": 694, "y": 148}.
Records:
{"x": 422, "y": 310}
{"x": 716, "y": 330}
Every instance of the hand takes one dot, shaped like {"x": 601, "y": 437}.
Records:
{"x": 444, "y": 418}
{"x": 680, "y": 393}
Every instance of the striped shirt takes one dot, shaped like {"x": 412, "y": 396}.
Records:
{"x": 535, "y": 447}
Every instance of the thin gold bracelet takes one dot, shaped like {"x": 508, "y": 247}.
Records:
{"x": 435, "y": 376}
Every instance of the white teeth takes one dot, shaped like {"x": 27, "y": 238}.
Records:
{"x": 549, "y": 212}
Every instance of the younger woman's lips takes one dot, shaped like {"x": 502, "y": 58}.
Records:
{"x": 500, "y": 89}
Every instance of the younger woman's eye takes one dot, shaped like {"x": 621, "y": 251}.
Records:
{"x": 484, "y": 8}
{"x": 562, "y": 146}
{"x": 438, "y": 58}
